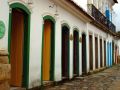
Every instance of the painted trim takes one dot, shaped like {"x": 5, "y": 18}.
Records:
{"x": 20, "y": 6}
{"x": 84, "y": 33}
{"x": 111, "y": 54}
{"x": 26, "y": 52}
{"x": 65, "y": 24}
{"x": 48, "y": 17}
{"x": 75, "y": 28}
{"x": 52, "y": 58}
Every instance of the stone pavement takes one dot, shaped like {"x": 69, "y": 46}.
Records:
{"x": 108, "y": 79}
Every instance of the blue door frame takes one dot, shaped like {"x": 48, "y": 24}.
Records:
{"x": 109, "y": 54}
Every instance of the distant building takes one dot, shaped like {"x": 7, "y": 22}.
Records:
{"x": 53, "y": 40}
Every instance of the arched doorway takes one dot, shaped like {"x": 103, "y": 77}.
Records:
{"x": 18, "y": 44}
{"x": 75, "y": 53}
{"x": 65, "y": 51}
{"x": 48, "y": 49}
{"x": 84, "y": 61}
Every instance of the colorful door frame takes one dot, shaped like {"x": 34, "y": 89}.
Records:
{"x": 107, "y": 54}
{"x": 110, "y": 54}
{"x": 65, "y": 28}
{"x": 76, "y": 52}
{"x": 52, "y": 50}
{"x": 25, "y": 78}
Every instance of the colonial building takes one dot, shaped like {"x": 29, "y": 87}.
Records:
{"x": 53, "y": 40}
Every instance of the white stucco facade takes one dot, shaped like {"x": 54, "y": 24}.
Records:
{"x": 41, "y": 8}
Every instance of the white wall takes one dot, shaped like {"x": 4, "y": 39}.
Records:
{"x": 39, "y": 10}
{"x": 4, "y": 16}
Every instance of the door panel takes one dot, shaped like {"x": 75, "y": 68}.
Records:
{"x": 16, "y": 51}
{"x": 90, "y": 52}
{"x": 65, "y": 51}
{"x": 84, "y": 62}
{"x": 46, "y": 50}
{"x": 96, "y": 52}
{"x": 76, "y": 53}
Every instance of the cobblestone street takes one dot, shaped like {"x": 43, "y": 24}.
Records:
{"x": 108, "y": 79}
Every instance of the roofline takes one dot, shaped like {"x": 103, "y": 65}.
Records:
{"x": 91, "y": 19}
{"x": 79, "y": 8}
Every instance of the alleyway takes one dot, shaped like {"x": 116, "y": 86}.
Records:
{"x": 108, "y": 79}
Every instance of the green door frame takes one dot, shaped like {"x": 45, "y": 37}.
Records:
{"x": 25, "y": 81}
{"x": 52, "y": 56}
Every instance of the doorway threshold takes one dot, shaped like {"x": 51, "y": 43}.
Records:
{"x": 17, "y": 88}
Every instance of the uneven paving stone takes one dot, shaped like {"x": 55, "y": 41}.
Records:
{"x": 108, "y": 79}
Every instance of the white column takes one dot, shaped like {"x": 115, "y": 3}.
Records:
{"x": 98, "y": 52}
{"x": 102, "y": 52}
{"x": 80, "y": 55}
{"x": 58, "y": 51}
{"x": 93, "y": 39}
{"x": 87, "y": 51}
{"x": 71, "y": 55}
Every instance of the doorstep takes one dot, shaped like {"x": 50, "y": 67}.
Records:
{"x": 96, "y": 70}
{"x": 17, "y": 88}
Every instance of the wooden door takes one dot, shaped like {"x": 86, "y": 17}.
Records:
{"x": 101, "y": 61}
{"x": 65, "y": 51}
{"x": 16, "y": 50}
{"x": 46, "y": 50}
{"x": 91, "y": 52}
{"x": 96, "y": 52}
{"x": 104, "y": 53}
{"x": 84, "y": 62}
{"x": 76, "y": 53}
